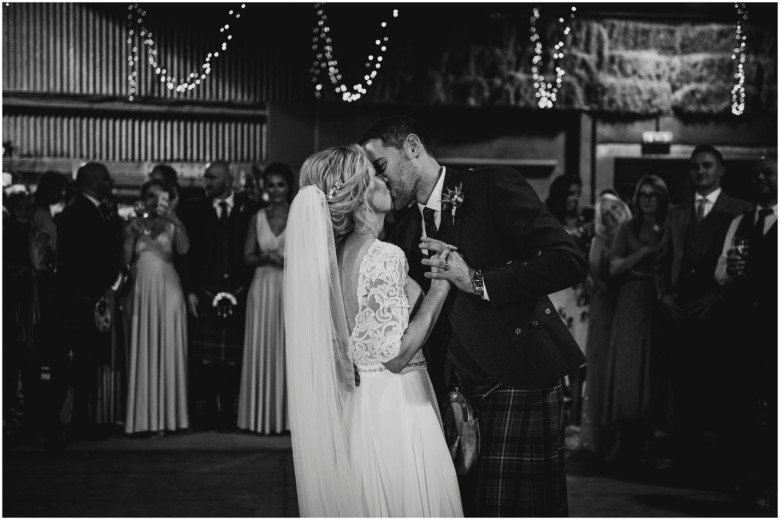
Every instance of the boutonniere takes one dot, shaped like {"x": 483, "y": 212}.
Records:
{"x": 453, "y": 199}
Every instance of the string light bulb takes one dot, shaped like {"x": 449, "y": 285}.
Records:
{"x": 324, "y": 59}
{"x": 173, "y": 83}
{"x": 739, "y": 56}
{"x": 546, "y": 91}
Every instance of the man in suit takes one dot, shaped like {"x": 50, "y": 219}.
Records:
{"x": 216, "y": 282}
{"x": 89, "y": 254}
{"x": 686, "y": 287}
{"x": 507, "y": 345}
{"x": 750, "y": 281}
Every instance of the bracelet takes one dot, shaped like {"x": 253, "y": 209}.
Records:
{"x": 478, "y": 283}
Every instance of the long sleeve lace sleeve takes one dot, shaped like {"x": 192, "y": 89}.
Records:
{"x": 384, "y": 307}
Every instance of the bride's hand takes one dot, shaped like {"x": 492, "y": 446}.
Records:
{"x": 439, "y": 263}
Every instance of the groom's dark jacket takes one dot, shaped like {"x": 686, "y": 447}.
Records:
{"x": 503, "y": 228}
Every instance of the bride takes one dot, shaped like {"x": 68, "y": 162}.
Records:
{"x": 366, "y": 431}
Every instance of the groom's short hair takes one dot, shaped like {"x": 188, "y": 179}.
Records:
{"x": 394, "y": 131}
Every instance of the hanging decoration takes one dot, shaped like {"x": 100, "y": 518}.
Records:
{"x": 136, "y": 29}
{"x": 322, "y": 45}
{"x": 547, "y": 91}
{"x": 738, "y": 90}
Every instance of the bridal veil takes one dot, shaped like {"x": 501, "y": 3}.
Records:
{"x": 320, "y": 376}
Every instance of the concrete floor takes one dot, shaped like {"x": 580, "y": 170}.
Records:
{"x": 212, "y": 474}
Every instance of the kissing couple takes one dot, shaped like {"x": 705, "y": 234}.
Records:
{"x": 466, "y": 277}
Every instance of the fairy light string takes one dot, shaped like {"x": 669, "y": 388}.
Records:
{"x": 739, "y": 56}
{"x": 136, "y": 29}
{"x": 547, "y": 90}
{"x": 325, "y": 60}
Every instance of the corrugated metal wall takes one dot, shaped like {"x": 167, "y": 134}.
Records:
{"x": 71, "y": 48}
{"x": 69, "y": 51}
{"x": 133, "y": 139}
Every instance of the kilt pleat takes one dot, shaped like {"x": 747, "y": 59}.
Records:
{"x": 521, "y": 465}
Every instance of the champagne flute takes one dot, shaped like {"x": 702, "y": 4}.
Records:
{"x": 740, "y": 245}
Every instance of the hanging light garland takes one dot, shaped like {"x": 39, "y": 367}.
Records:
{"x": 546, "y": 91}
{"x": 738, "y": 90}
{"x": 322, "y": 45}
{"x": 136, "y": 28}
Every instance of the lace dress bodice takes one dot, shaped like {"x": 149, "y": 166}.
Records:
{"x": 383, "y": 309}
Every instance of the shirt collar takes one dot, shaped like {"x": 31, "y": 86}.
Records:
{"x": 711, "y": 197}
{"x": 228, "y": 199}
{"x": 434, "y": 201}
{"x": 92, "y": 199}
{"x": 773, "y": 208}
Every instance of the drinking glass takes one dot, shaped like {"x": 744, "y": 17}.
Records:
{"x": 740, "y": 245}
{"x": 143, "y": 214}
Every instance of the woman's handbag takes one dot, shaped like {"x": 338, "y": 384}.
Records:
{"x": 461, "y": 431}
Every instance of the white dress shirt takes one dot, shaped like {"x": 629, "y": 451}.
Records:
{"x": 710, "y": 199}
{"x": 229, "y": 200}
{"x": 434, "y": 202}
{"x": 721, "y": 276}
{"x": 92, "y": 199}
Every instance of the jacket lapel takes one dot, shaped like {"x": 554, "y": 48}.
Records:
{"x": 682, "y": 218}
{"x": 450, "y": 228}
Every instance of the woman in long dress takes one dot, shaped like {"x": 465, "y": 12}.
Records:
{"x": 631, "y": 368}
{"x": 573, "y": 303}
{"x": 262, "y": 401}
{"x": 379, "y": 446}
{"x": 157, "y": 366}
{"x": 611, "y": 211}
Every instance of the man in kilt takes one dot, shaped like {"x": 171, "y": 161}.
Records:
{"x": 216, "y": 281}
{"x": 506, "y": 346}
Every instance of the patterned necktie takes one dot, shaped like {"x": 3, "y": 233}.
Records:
{"x": 430, "y": 225}
{"x": 430, "y": 222}
{"x": 700, "y": 206}
{"x": 763, "y": 213}
{"x": 223, "y": 214}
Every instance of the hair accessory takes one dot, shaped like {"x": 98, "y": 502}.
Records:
{"x": 336, "y": 187}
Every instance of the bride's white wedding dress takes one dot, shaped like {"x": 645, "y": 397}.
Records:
{"x": 396, "y": 441}
{"x": 376, "y": 449}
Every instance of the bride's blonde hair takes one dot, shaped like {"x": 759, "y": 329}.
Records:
{"x": 343, "y": 173}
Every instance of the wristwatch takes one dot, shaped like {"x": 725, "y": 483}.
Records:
{"x": 478, "y": 283}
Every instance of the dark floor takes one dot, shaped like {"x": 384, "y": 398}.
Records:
{"x": 212, "y": 474}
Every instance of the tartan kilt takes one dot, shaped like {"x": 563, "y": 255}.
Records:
{"x": 217, "y": 339}
{"x": 520, "y": 471}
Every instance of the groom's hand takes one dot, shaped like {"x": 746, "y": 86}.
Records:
{"x": 451, "y": 267}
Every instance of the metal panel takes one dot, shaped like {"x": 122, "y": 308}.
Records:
{"x": 81, "y": 49}
{"x": 110, "y": 138}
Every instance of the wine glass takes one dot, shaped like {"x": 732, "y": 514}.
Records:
{"x": 740, "y": 245}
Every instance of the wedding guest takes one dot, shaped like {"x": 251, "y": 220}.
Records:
{"x": 262, "y": 402}
{"x": 170, "y": 180}
{"x": 157, "y": 369}
{"x": 573, "y": 302}
{"x": 694, "y": 302}
{"x": 750, "y": 281}
{"x": 89, "y": 245}
{"x": 216, "y": 284}
{"x": 631, "y": 363}
{"x": 611, "y": 211}
{"x": 49, "y": 200}
{"x": 17, "y": 307}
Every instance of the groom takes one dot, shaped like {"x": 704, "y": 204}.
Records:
{"x": 506, "y": 341}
